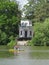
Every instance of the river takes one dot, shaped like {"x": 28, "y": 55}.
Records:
{"x": 23, "y": 57}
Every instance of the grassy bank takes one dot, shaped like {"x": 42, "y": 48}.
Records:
{"x": 3, "y": 47}
{"x": 40, "y": 47}
{"x": 31, "y": 47}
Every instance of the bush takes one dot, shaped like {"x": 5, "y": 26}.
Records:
{"x": 3, "y": 38}
{"x": 37, "y": 40}
{"x": 41, "y": 34}
{"x": 12, "y": 43}
{"x": 29, "y": 43}
{"x": 47, "y": 44}
{"x": 47, "y": 41}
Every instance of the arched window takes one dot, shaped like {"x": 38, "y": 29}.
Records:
{"x": 21, "y": 32}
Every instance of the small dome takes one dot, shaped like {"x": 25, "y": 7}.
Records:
{"x": 26, "y": 23}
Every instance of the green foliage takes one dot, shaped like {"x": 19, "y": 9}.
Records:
{"x": 12, "y": 38}
{"x": 41, "y": 33}
{"x": 37, "y": 10}
{"x": 10, "y": 16}
{"x": 3, "y": 38}
{"x": 38, "y": 39}
{"x": 12, "y": 43}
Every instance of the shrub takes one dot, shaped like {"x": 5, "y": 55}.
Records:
{"x": 41, "y": 34}
{"x": 37, "y": 40}
{"x": 47, "y": 41}
{"x": 12, "y": 43}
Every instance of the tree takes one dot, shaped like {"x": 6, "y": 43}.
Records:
{"x": 37, "y": 10}
{"x": 41, "y": 33}
{"x": 10, "y": 16}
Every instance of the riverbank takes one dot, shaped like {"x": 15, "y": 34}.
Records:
{"x": 35, "y": 52}
{"x": 32, "y": 47}
{"x": 22, "y": 42}
{"x": 40, "y": 47}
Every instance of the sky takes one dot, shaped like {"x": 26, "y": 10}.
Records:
{"x": 22, "y": 2}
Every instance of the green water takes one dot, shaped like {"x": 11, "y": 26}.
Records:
{"x": 25, "y": 57}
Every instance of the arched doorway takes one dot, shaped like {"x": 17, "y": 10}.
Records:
{"x": 25, "y": 34}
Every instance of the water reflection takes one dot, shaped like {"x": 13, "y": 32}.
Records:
{"x": 16, "y": 52}
{"x": 24, "y": 57}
